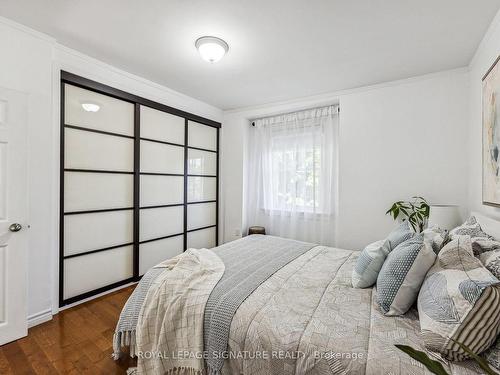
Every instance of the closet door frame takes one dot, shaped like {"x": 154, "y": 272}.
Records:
{"x": 137, "y": 101}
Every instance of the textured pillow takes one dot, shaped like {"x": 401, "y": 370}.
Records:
{"x": 402, "y": 275}
{"x": 436, "y": 237}
{"x": 369, "y": 263}
{"x": 399, "y": 235}
{"x": 372, "y": 258}
{"x": 491, "y": 260}
{"x": 480, "y": 246}
{"x": 481, "y": 241}
{"x": 459, "y": 300}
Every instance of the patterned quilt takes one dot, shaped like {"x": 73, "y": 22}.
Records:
{"x": 307, "y": 319}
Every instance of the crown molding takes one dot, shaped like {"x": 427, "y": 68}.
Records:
{"x": 335, "y": 96}
{"x": 27, "y": 30}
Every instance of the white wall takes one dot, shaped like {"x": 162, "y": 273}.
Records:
{"x": 397, "y": 140}
{"x": 486, "y": 54}
{"x": 30, "y": 63}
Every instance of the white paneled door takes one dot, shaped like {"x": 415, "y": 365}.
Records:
{"x": 13, "y": 215}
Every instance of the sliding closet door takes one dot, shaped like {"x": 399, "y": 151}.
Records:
{"x": 161, "y": 187}
{"x": 202, "y": 192}
{"x": 139, "y": 186}
{"x": 97, "y": 187}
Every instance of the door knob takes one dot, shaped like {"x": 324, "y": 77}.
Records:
{"x": 16, "y": 227}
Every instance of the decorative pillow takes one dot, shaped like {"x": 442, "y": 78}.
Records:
{"x": 480, "y": 246}
{"x": 403, "y": 232}
{"x": 402, "y": 275}
{"x": 491, "y": 260}
{"x": 436, "y": 237}
{"x": 459, "y": 300}
{"x": 369, "y": 263}
{"x": 481, "y": 241}
{"x": 372, "y": 258}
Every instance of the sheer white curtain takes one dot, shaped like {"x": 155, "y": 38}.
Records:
{"x": 292, "y": 175}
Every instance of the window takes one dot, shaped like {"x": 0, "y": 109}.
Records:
{"x": 295, "y": 173}
{"x": 291, "y": 186}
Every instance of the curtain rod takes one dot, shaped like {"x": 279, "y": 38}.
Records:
{"x": 309, "y": 109}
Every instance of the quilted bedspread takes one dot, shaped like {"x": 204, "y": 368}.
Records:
{"x": 307, "y": 319}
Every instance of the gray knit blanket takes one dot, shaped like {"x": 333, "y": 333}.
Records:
{"x": 125, "y": 328}
{"x": 248, "y": 263}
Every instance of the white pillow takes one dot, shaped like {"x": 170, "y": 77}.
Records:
{"x": 369, "y": 263}
{"x": 436, "y": 237}
{"x": 488, "y": 225}
{"x": 491, "y": 260}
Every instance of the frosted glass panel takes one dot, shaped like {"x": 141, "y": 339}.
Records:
{"x": 202, "y": 136}
{"x": 161, "y": 158}
{"x": 202, "y": 189}
{"x": 199, "y": 239}
{"x": 114, "y": 115}
{"x": 161, "y": 126}
{"x": 88, "y": 272}
{"x": 202, "y": 162}
{"x": 94, "y": 231}
{"x": 201, "y": 215}
{"x": 92, "y": 191}
{"x": 87, "y": 150}
{"x": 152, "y": 253}
{"x": 161, "y": 190}
{"x": 159, "y": 222}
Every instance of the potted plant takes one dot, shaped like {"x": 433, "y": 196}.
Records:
{"x": 416, "y": 211}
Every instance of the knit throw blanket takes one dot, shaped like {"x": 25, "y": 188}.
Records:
{"x": 170, "y": 325}
{"x": 125, "y": 329}
{"x": 248, "y": 263}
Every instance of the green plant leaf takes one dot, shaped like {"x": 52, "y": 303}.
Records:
{"x": 403, "y": 210}
{"x": 433, "y": 366}
{"x": 480, "y": 361}
{"x": 390, "y": 210}
{"x": 416, "y": 211}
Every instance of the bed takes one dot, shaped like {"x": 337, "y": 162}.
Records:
{"x": 308, "y": 318}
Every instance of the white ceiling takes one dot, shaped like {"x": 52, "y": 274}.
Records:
{"x": 279, "y": 50}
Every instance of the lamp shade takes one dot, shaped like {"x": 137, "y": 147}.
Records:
{"x": 444, "y": 216}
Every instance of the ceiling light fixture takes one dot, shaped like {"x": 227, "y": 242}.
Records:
{"x": 91, "y": 107}
{"x": 211, "y": 49}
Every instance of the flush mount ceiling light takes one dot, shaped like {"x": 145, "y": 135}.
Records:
{"x": 91, "y": 107}
{"x": 211, "y": 49}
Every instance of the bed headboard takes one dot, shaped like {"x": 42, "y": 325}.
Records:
{"x": 489, "y": 225}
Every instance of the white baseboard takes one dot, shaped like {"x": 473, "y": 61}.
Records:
{"x": 39, "y": 318}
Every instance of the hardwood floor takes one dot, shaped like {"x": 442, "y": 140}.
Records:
{"x": 75, "y": 341}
